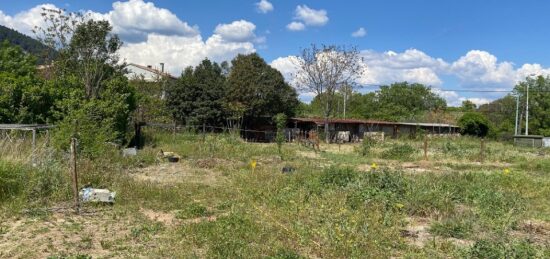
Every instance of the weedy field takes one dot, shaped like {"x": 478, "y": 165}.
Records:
{"x": 370, "y": 200}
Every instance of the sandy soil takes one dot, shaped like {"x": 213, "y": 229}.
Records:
{"x": 102, "y": 233}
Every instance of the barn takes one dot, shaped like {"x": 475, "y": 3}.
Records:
{"x": 350, "y": 130}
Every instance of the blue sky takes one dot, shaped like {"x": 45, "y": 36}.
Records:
{"x": 447, "y": 44}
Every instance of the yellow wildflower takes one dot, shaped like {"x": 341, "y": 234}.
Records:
{"x": 506, "y": 171}
{"x": 374, "y": 166}
{"x": 253, "y": 164}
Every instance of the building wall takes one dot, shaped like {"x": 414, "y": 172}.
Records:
{"x": 136, "y": 72}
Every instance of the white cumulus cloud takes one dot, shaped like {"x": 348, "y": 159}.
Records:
{"x": 135, "y": 19}
{"x": 296, "y": 26}
{"x": 310, "y": 16}
{"x": 477, "y": 70}
{"x": 178, "y": 52}
{"x": 153, "y": 35}
{"x": 305, "y": 16}
{"x": 361, "y": 32}
{"x": 25, "y": 21}
{"x": 264, "y": 6}
{"x": 481, "y": 67}
{"x": 237, "y": 31}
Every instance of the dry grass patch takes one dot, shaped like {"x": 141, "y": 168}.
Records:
{"x": 182, "y": 172}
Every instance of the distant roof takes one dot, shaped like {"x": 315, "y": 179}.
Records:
{"x": 422, "y": 124}
{"x": 529, "y": 136}
{"x": 359, "y": 121}
{"x": 24, "y": 126}
{"x": 152, "y": 70}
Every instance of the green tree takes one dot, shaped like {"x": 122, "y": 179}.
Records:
{"x": 93, "y": 55}
{"x": 404, "y": 101}
{"x": 474, "y": 124}
{"x": 280, "y": 122}
{"x": 94, "y": 93}
{"x": 501, "y": 113}
{"x": 197, "y": 97}
{"x": 24, "y": 97}
{"x": 539, "y": 104}
{"x": 259, "y": 88}
{"x": 468, "y": 106}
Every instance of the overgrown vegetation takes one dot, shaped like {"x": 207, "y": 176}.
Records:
{"x": 329, "y": 206}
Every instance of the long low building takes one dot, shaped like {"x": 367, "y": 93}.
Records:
{"x": 355, "y": 129}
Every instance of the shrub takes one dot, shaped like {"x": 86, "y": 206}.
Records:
{"x": 194, "y": 210}
{"x": 367, "y": 145}
{"x": 337, "y": 176}
{"x": 474, "y": 124}
{"x": 498, "y": 249}
{"x": 399, "y": 152}
{"x": 457, "y": 227}
{"x": 12, "y": 180}
{"x": 388, "y": 188}
{"x": 280, "y": 121}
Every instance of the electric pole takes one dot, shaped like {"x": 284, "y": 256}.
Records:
{"x": 527, "y": 108}
{"x": 517, "y": 113}
{"x": 527, "y": 113}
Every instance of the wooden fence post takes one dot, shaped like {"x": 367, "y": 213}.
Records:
{"x": 74, "y": 174}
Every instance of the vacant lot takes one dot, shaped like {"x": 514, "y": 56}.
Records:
{"x": 349, "y": 201}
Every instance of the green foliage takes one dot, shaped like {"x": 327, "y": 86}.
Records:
{"x": 29, "y": 185}
{"x": 151, "y": 107}
{"x": 12, "y": 180}
{"x": 474, "y": 124}
{"x": 383, "y": 187}
{"x": 398, "y": 101}
{"x": 193, "y": 210}
{"x": 468, "y": 106}
{"x": 457, "y": 227}
{"x": 399, "y": 152}
{"x": 280, "y": 122}
{"x": 486, "y": 248}
{"x": 92, "y": 55}
{"x": 405, "y": 101}
{"x": 259, "y": 88}
{"x": 24, "y": 98}
{"x": 539, "y": 103}
{"x": 338, "y": 176}
{"x": 30, "y": 45}
{"x": 227, "y": 237}
{"x": 501, "y": 113}
{"x": 197, "y": 96}
{"x": 367, "y": 144}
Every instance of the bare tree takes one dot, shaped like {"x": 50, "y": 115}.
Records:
{"x": 85, "y": 48}
{"x": 58, "y": 27}
{"x": 324, "y": 70}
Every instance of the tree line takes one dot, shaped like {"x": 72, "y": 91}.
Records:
{"x": 85, "y": 92}
{"x": 233, "y": 94}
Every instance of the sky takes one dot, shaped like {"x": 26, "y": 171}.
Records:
{"x": 453, "y": 46}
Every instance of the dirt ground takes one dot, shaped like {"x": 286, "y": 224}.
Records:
{"x": 183, "y": 171}
{"x": 102, "y": 233}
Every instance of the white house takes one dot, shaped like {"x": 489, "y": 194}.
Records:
{"x": 148, "y": 73}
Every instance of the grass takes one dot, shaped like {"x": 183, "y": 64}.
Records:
{"x": 334, "y": 204}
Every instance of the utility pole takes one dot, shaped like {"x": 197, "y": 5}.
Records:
{"x": 527, "y": 108}
{"x": 517, "y": 113}
{"x": 345, "y": 89}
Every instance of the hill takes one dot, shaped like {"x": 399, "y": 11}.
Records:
{"x": 27, "y": 43}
